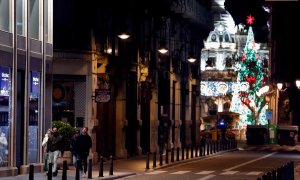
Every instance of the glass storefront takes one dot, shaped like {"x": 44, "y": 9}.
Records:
{"x": 5, "y": 106}
{"x": 33, "y": 117}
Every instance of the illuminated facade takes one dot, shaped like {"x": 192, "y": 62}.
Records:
{"x": 25, "y": 69}
{"x": 219, "y": 81}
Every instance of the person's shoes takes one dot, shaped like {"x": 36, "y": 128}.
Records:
{"x": 54, "y": 174}
{"x": 83, "y": 175}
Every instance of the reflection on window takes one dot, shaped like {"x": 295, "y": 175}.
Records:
{"x": 34, "y": 19}
{"x": 5, "y": 15}
{"x": 20, "y": 17}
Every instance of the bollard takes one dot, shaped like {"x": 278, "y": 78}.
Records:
{"x": 211, "y": 147}
{"x": 264, "y": 177}
{"x": 274, "y": 175}
{"x": 64, "y": 172}
{"x": 207, "y": 151}
{"x": 160, "y": 158}
{"x": 147, "y": 160}
{"x": 269, "y": 175}
{"x": 196, "y": 151}
{"x": 279, "y": 173}
{"x": 172, "y": 155}
{"x": 177, "y": 155}
{"x": 214, "y": 144}
{"x": 167, "y": 156}
{"x": 78, "y": 164}
{"x": 182, "y": 153}
{"x": 292, "y": 174}
{"x": 90, "y": 169}
{"x": 101, "y": 167}
{"x": 201, "y": 150}
{"x": 49, "y": 174}
{"x": 187, "y": 153}
{"x": 192, "y": 151}
{"x": 31, "y": 171}
{"x": 111, "y": 166}
{"x": 154, "y": 160}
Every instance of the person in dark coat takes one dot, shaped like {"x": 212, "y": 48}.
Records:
{"x": 85, "y": 144}
{"x": 75, "y": 147}
{"x": 54, "y": 146}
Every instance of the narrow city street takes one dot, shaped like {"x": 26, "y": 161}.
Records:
{"x": 234, "y": 165}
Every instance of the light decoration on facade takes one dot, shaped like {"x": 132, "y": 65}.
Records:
{"x": 221, "y": 88}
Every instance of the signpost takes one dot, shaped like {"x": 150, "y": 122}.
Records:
{"x": 102, "y": 95}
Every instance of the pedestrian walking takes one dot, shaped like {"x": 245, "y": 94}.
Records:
{"x": 44, "y": 146}
{"x": 74, "y": 147}
{"x": 54, "y": 146}
{"x": 85, "y": 144}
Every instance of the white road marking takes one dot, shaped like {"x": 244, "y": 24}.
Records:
{"x": 180, "y": 172}
{"x": 254, "y": 173}
{"x": 207, "y": 177}
{"x": 248, "y": 162}
{"x": 156, "y": 172}
{"x": 229, "y": 172}
{"x": 205, "y": 172}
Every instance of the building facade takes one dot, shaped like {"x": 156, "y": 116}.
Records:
{"x": 133, "y": 99}
{"x": 25, "y": 64}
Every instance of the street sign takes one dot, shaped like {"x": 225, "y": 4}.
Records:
{"x": 102, "y": 95}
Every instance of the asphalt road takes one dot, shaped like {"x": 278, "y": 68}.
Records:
{"x": 236, "y": 165}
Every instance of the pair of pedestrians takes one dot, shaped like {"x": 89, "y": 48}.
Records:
{"x": 80, "y": 147}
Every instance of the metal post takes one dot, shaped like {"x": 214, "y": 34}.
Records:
{"x": 154, "y": 160}
{"x": 78, "y": 164}
{"x": 49, "y": 171}
{"x": 207, "y": 151}
{"x": 177, "y": 158}
{"x": 187, "y": 153}
{"x": 90, "y": 169}
{"x": 192, "y": 151}
{"x": 101, "y": 167}
{"x": 160, "y": 158}
{"x": 147, "y": 161}
{"x": 274, "y": 175}
{"x": 111, "y": 166}
{"x": 201, "y": 146}
{"x": 167, "y": 156}
{"x": 182, "y": 153}
{"x": 172, "y": 155}
{"x": 31, "y": 171}
{"x": 64, "y": 172}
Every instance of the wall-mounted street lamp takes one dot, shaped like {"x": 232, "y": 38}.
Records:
{"x": 191, "y": 58}
{"x": 280, "y": 85}
{"x": 298, "y": 84}
{"x": 163, "y": 47}
{"x": 123, "y": 35}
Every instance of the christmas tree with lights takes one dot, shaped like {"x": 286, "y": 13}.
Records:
{"x": 252, "y": 78}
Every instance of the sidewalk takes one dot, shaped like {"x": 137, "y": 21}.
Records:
{"x": 137, "y": 165}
